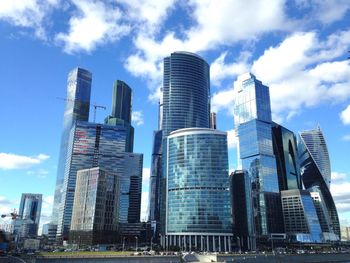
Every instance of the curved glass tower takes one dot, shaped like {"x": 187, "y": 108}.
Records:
{"x": 186, "y": 92}
{"x": 316, "y": 145}
{"x": 312, "y": 176}
{"x": 198, "y": 197}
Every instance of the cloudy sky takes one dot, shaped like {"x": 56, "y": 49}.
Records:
{"x": 298, "y": 48}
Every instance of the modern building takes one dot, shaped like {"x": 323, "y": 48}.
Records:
{"x": 255, "y": 150}
{"x": 285, "y": 148}
{"x": 95, "y": 208}
{"x": 213, "y": 120}
{"x": 312, "y": 164}
{"x": 29, "y": 213}
{"x": 98, "y": 145}
{"x": 50, "y": 230}
{"x": 77, "y": 108}
{"x": 242, "y": 210}
{"x": 300, "y": 217}
{"x": 198, "y": 203}
{"x": 186, "y": 92}
{"x": 317, "y": 148}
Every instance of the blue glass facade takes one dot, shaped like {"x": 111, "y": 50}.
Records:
{"x": 30, "y": 211}
{"x": 198, "y": 198}
{"x": 92, "y": 145}
{"x": 121, "y": 101}
{"x": 314, "y": 180}
{"x": 77, "y": 108}
{"x": 186, "y": 92}
{"x": 253, "y": 124}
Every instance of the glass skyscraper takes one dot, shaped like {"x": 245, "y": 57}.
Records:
{"x": 313, "y": 164}
{"x": 97, "y": 145}
{"x": 198, "y": 203}
{"x": 285, "y": 148}
{"x": 77, "y": 108}
{"x": 29, "y": 212}
{"x": 253, "y": 124}
{"x": 317, "y": 147}
{"x": 186, "y": 92}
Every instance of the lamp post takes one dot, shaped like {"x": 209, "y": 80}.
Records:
{"x": 136, "y": 238}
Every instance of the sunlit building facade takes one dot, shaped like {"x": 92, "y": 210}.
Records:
{"x": 95, "y": 208}
{"x": 77, "y": 108}
{"x": 198, "y": 197}
{"x": 253, "y": 124}
{"x": 29, "y": 215}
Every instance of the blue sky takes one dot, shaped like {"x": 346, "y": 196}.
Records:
{"x": 298, "y": 48}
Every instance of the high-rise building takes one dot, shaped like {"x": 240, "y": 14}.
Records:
{"x": 77, "y": 108}
{"x": 242, "y": 210}
{"x": 29, "y": 212}
{"x": 49, "y": 230}
{"x": 97, "y": 145}
{"x": 316, "y": 145}
{"x": 197, "y": 191}
{"x": 186, "y": 92}
{"x": 255, "y": 151}
{"x": 286, "y": 152}
{"x": 213, "y": 120}
{"x": 121, "y": 111}
{"x": 300, "y": 217}
{"x": 312, "y": 176}
{"x": 95, "y": 208}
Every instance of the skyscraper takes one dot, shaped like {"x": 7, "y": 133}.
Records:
{"x": 313, "y": 166}
{"x": 95, "y": 208}
{"x": 253, "y": 123}
{"x": 285, "y": 149}
{"x": 97, "y": 145}
{"x": 186, "y": 92}
{"x": 77, "y": 108}
{"x": 198, "y": 207}
{"x": 30, "y": 211}
{"x": 317, "y": 147}
{"x": 242, "y": 210}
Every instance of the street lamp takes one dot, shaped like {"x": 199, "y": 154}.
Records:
{"x": 136, "y": 242}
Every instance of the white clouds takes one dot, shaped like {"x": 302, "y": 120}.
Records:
{"x": 295, "y": 82}
{"x": 223, "y": 100}
{"x": 346, "y": 137}
{"x": 137, "y": 118}
{"x": 232, "y": 139}
{"x": 340, "y": 191}
{"x": 12, "y": 161}
{"x": 146, "y": 172}
{"x": 345, "y": 115}
{"x": 95, "y": 23}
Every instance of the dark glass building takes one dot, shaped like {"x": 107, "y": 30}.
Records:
{"x": 255, "y": 151}
{"x": 77, "y": 108}
{"x": 198, "y": 207}
{"x": 286, "y": 152}
{"x": 242, "y": 210}
{"x": 95, "y": 208}
{"x": 312, "y": 176}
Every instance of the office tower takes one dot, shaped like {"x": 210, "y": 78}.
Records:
{"x": 242, "y": 210}
{"x": 77, "y": 108}
{"x": 95, "y": 208}
{"x": 311, "y": 172}
{"x": 286, "y": 151}
{"x": 300, "y": 217}
{"x": 97, "y": 145}
{"x": 316, "y": 145}
{"x": 198, "y": 198}
{"x": 155, "y": 178}
{"x": 29, "y": 212}
{"x": 253, "y": 124}
{"x": 49, "y": 230}
{"x": 121, "y": 111}
{"x": 213, "y": 120}
{"x": 186, "y": 92}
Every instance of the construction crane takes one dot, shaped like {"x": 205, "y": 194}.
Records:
{"x": 93, "y": 105}
{"x": 13, "y": 215}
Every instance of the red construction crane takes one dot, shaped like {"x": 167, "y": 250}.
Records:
{"x": 93, "y": 105}
{"x": 13, "y": 215}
